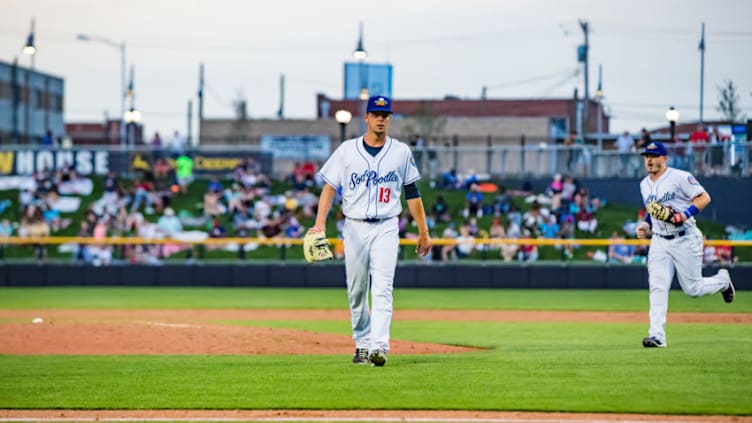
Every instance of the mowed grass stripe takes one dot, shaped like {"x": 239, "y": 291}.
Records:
{"x": 334, "y": 298}
{"x": 532, "y": 366}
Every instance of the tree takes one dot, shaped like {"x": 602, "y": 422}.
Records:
{"x": 728, "y": 102}
{"x": 424, "y": 123}
{"x": 240, "y": 125}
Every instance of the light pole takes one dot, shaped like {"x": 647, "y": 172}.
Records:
{"x": 343, "y": 118}
{"x": 123, "y": 91}
{"x": 132, "y": 116}
{"x": 29, "y": 49}
{"x": 361, "y": 54}
{"x": 599, "y": 98}
{"x": 672, "y": 115}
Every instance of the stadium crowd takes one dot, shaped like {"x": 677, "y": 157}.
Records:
{"x": 243, "y": 205}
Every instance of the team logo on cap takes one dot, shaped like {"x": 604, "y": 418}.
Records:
{"x": 651, "y": 146}
{"x": 380, "y": 101}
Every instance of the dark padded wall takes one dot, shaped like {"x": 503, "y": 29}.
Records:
{"x": 483, "y": 275}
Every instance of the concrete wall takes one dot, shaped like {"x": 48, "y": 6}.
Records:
{"x": 227, "y": 131}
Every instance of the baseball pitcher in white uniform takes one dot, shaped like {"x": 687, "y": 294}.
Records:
{"x": 372, "y": 171}
{"x": 673, "y": 198}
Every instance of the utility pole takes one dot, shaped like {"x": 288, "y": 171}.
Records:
{"x": 583, "y": 56}
{"x": 190, "y": 122}
{"x": 131, "y": 118}
{"x": 281, "y": 111}
{"x": 599, "y": 98}
{"x": 702, "y": 70}
{"x": 29, "y": 49}
{"x": 200, "y": 101}
{"x": 361, "y": 54}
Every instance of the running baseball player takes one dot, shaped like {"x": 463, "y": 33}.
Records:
{"x": 372, "y": 171}
{"x": 673, "y": 198}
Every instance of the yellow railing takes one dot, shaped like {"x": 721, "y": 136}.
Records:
{"x": 56, "y": 240}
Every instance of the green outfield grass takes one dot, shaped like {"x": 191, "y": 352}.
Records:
{"x": 336, "y": 298}
{"x": 557, "y": 366}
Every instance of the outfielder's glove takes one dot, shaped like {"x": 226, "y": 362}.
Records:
{"x": 665, "y": 213}
{"x": 316, "y": 246}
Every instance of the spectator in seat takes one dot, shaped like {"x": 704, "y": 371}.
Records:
{"x": 162, "y": 169}
{"x": 217, "y": 230}
{"x": 699, "y": 139}
{"x": 212, "y": 204}
{"x": 440, "y": 210}
{"x": 497, "y": 232}
{"x": 449, "y": 179}
{"x": 644, "y": 140}
{"x": 184, "y": 171}
{"x": 502, "y": 201}
{"x": 170, "y": 225}
{"x": 465, "y": 242}
{"x": 527, "y": 252}
{"x": 473, "y": 202}
{"x": 293, "y": 228}
{"x": 141, "y": 193}
{"x": 215, "y": 185}
{"x": 621, "y": 253}
{"x": 6, "y": 230}
{"x": 272, "y": 228}
{"x": 82, "y": 253}
{"x": 448, "y": 251}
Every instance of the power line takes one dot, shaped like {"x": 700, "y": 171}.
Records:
{"x": 663, "y": 30}
{"x": 218, "y": 97}
{"x": 530, "y": 80}
{"x": 656, "y": 105}
{"x": 568, "y": 78}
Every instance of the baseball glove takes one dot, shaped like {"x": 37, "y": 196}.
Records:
{"x": 664, "y": 213}
{"x": 316, "y": 246}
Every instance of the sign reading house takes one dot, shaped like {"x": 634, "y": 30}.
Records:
{"x": 27, "y": 162}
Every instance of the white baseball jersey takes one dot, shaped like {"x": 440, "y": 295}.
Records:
{"x": 371, "y": 186}
{"x": 675, "y": 250}
{"x": 371, "y": 190}
{"x": 675, "y": 188}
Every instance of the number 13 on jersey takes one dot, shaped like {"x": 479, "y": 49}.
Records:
{"x": 384, "y": 194}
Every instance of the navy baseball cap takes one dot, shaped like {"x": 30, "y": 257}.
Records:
{"x": 654, "y": 149}
{"x": 379, "y": 103}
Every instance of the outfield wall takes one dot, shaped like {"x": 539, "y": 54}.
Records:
{"x": 480, "y": 275}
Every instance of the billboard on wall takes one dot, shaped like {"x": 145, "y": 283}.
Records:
{"x": 99, "y": 162}
{"x": 377, "y": 78}
{"x": 297, "y": 147}
{"x": 28, "y": 162}
{"x": 204, "y": 162}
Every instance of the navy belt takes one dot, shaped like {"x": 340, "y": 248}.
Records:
{"x": 676, "y": 235}
{"x": 372, "y": 219}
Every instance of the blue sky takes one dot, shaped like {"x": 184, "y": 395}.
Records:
{"x": 519, "y": 49}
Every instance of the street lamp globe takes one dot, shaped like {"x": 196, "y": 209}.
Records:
{"x": 360, "y": 51}
{"x": 30, "y": 49}
{"x": 672, "y": 115}
{"x": 343, "y": 116}
{"x": 132, "y": 116}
